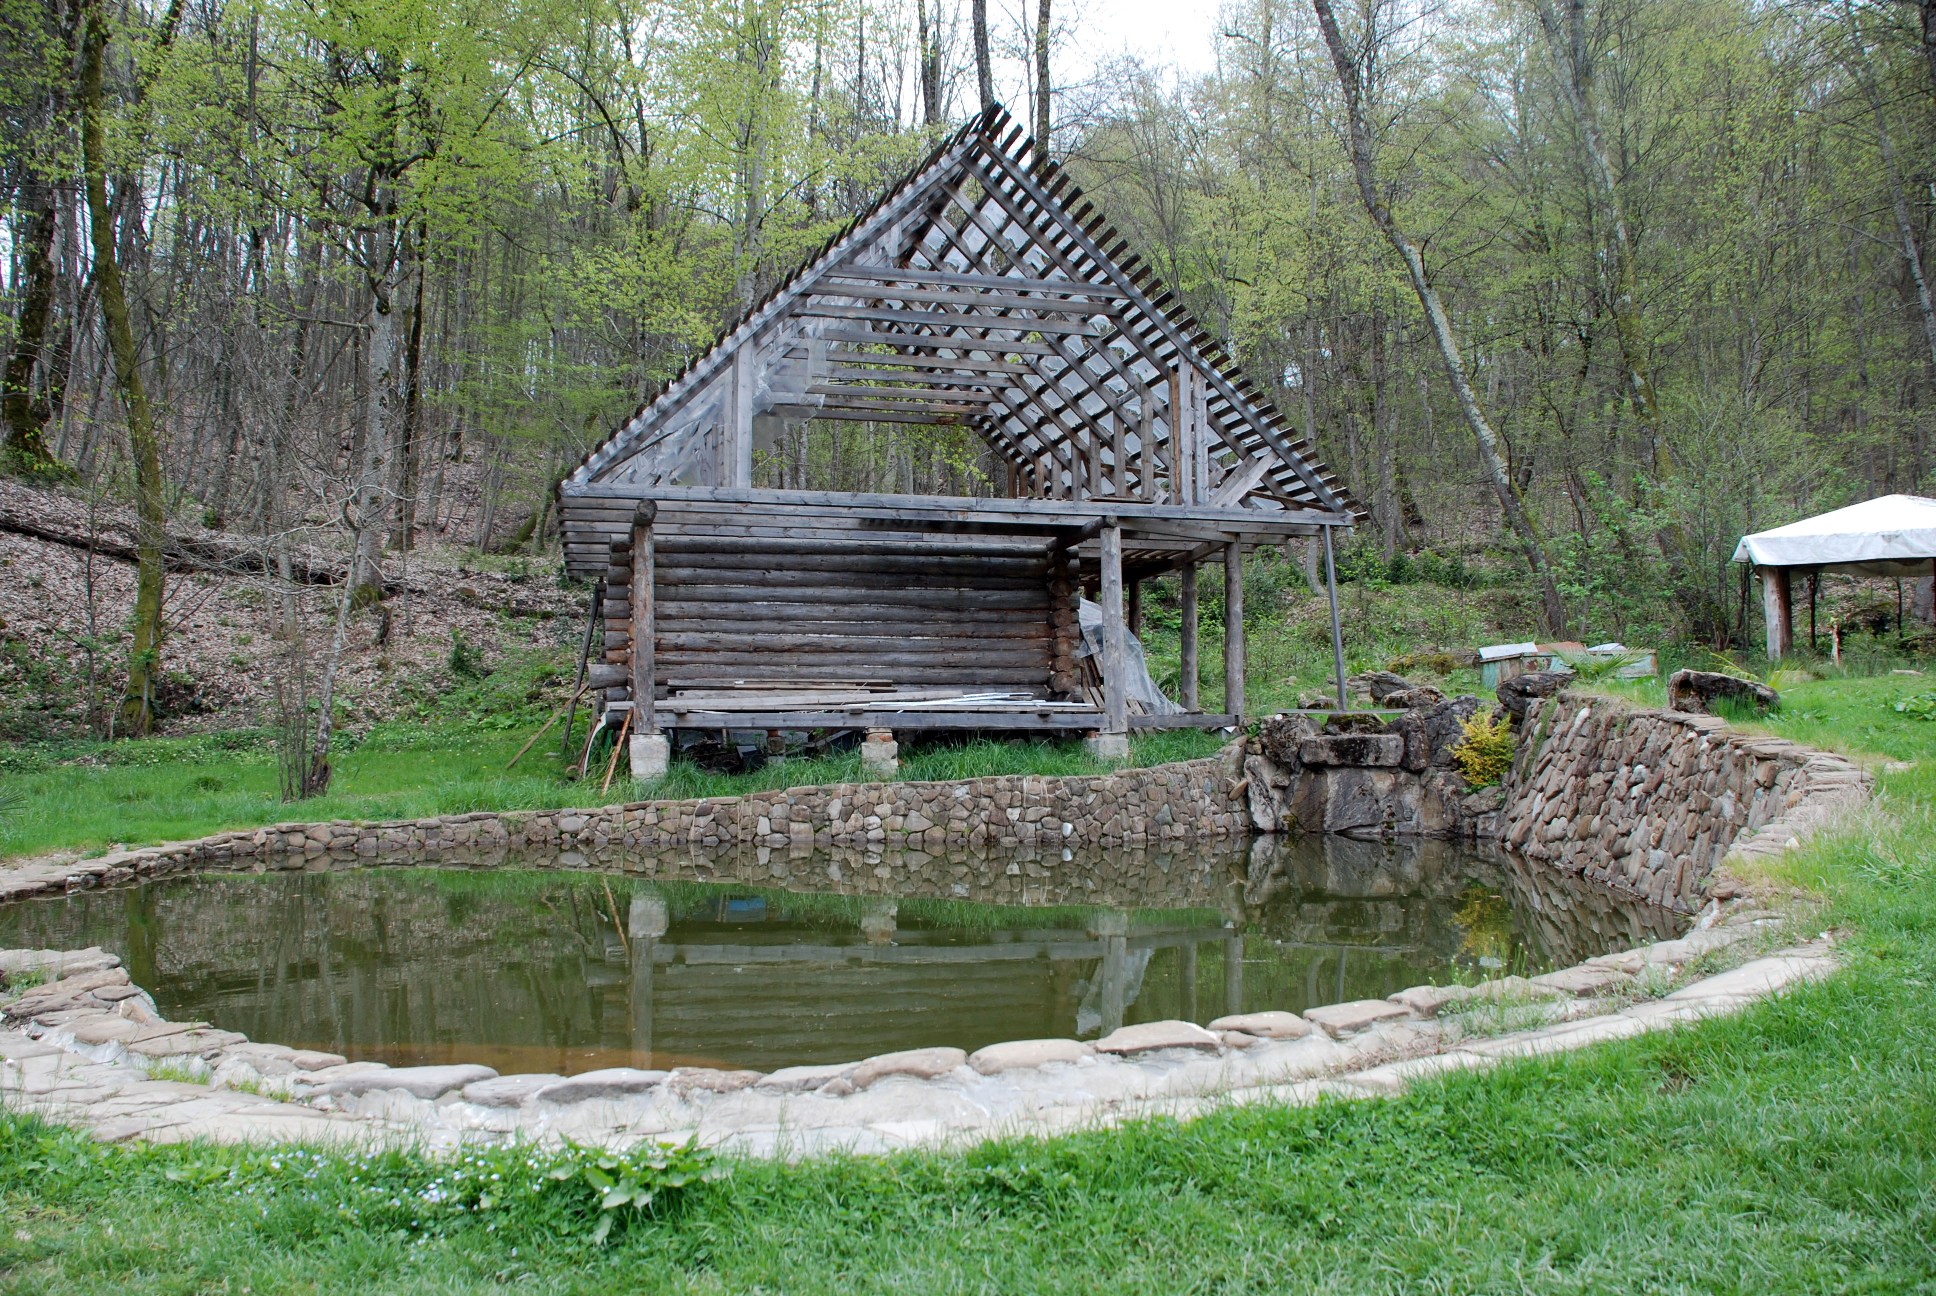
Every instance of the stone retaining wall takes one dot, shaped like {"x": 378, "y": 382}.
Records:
{"x": 1153, "y": 807}
{"x": 1652, "y": 801}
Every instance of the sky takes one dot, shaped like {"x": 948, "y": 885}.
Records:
{"x": 1178, "y": 35}
{"x": 1174, "y": 32}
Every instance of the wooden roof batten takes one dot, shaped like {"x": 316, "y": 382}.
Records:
{"x": 984, "y": 291}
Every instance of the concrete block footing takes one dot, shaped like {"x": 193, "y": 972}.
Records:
{"x": 651, "y": 755}
{"x": 880, "y": 754}
{"x": 1107, "y": 746}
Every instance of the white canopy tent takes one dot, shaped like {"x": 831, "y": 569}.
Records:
{"x": 1892, "y": 535}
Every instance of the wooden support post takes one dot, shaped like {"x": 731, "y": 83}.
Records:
{"x": 1777, "y": 607}
{"x": 1118, "y": 474}
{"x": 1115, "y": 648}
{"x": 737, "y": 470}
{"x": 1136, "y": 607}
{"x": 1337, "y": 628}
{"x": 644, "y": 717}
{"x": 1187, "y": 665}
{"x": 1233, "y": 630}
{"x": 1146, "y": 450}
{"x": 1814, "y": 589}
{"x": 1180, "y": 456}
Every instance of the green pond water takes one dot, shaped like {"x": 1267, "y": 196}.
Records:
{"x": 560, "y": 963}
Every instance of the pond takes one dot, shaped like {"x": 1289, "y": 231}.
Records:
{"x": 739, "y": 960}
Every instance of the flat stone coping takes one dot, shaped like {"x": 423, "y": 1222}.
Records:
{"x": 88, "y": 1049}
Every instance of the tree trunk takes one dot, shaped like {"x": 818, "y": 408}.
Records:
{"x": 930, "y": 63}
{"x": 367, "y": 512}
{"x": 412, "y": 448}
{"x": 1898, "y": 200}
{"x": 136, "y": 716}
{"x": 984, "y": 70}
{"x": 26, "y": 419}
{"x": 1358, "y": 144}
{"x": 1566, "y": 50}
{"x": 1042, "y": 77}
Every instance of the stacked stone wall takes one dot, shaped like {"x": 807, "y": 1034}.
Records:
{"x": 1653, "y": 801}
{"x": 1152, "y": 808}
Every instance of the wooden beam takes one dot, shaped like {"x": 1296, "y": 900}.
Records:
{"x": 945, "y": 319}
{"x": 1115, "y": 648}
{"x": 737, "y": 468}
{"x": 1233, "y": 629}
{"x": 858, "y": 413}
{"x": 643, "y": 627}
{"x": 924, "y": 510}
{"x": 967, "y": 299}
{"x": 1187, "y": 648}
{"x": 923, "y": 378}
{"x": 893, "y": 393}
{"x": 951, "y": 366}
{"x": 1009, "y": 283}
{"x": 998, "y": 347}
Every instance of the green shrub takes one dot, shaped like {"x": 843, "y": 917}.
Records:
{"x": 1485, "y": 753}
{"x": 1918, "y": 706}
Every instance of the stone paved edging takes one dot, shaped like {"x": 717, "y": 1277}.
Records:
{"x": 1652, "y": 802}
{"x": 82, "y": 1049}
{"x": 1151, "y": 806}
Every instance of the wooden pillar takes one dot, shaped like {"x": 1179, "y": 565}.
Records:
{"x": 1187, "y": 666}
{"x": 1115, "y": 647}
{"x": 1814, "y": 589}
{"x": 1136, "y": 607}
{"x": 737, "y": 470}
{"x": 644, "y": 715}
{"x": 1777, "y": 608}
{"x": 1233, "y": 629}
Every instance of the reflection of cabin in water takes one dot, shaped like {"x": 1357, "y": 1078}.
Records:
{"x": 982, "y": 291}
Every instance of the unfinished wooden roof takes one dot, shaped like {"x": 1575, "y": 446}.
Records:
{"x": 983, "y": 290}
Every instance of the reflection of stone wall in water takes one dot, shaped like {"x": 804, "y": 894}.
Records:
{"x": 1348, "y": 892}
{"x": 1649, "y": 802}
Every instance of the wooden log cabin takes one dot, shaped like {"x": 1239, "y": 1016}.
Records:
{"x": 982, "y": 291}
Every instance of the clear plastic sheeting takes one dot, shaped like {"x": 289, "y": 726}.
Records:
{"x": 1892, "y": 535}
{"x": 1144, "y": 697}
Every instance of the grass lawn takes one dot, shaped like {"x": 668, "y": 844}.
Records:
{"x": 1791, "y": 1148}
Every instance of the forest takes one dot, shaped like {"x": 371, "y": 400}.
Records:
{"x": 1573, "y": 293}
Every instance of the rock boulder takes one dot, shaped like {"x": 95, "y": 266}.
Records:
{"x": 1698, "y": 691}
{"x": 1516, "y": 694}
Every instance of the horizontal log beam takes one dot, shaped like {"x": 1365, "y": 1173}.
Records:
{"x": 966, "y": 364}
{"x": 1076, "y": 721}
{"x": 967, "y": 298}
{"x": 878, "y": 274}
{"x": 948, "y": 320}
{"x": 895, "y": 394}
